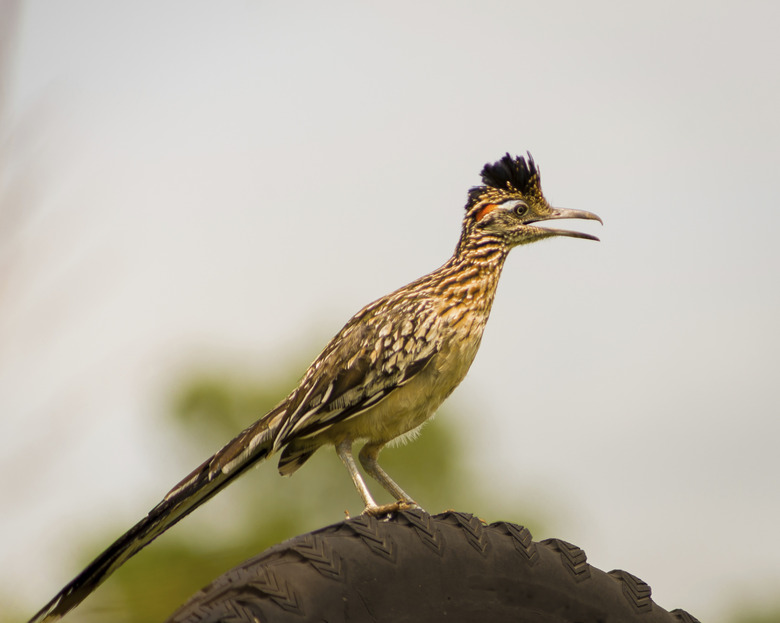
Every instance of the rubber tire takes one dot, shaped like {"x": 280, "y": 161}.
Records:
{"x": 415, "y": 567}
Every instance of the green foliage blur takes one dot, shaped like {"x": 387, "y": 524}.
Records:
{"x": 262, "y": 508}
{"x": 755, "y": 613}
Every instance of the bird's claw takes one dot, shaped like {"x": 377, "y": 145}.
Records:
{"x": 387, "y": 509}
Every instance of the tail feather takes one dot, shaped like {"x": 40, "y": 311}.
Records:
{"x": 251, "y": 446}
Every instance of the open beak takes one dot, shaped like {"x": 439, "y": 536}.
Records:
{"x": 558, "y": 213}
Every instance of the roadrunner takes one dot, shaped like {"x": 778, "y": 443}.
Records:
{"x": 382, "y": 376}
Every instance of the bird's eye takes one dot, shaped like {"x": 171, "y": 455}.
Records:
{"x": 520, "y": 208}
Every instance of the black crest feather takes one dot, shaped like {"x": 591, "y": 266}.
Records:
{"x": 517, "y": 172}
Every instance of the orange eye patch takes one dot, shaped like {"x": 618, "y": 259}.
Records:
{"x": 485, "y": 210}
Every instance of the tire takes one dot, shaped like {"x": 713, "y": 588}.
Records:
{"x": 415, "y": 567}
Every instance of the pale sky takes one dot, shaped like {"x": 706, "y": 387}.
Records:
{"x": 219, "y": 183}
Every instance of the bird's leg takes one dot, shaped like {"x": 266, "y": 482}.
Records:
{"x": 368, "y": 459}
{"x": 344, "y": 450}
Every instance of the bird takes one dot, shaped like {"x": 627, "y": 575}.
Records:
{"x": 379, "y": 379}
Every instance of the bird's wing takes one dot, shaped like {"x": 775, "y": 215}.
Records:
{"x": 360, "y": 367}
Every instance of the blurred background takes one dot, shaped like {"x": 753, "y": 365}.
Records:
{"x": 195, "y": 196}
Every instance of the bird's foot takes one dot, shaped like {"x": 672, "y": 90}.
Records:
{"x": 386, "y": 509}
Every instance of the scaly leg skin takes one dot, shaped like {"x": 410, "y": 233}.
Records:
{"x": 368, "y": 459}
{"x": 344, "y": 450}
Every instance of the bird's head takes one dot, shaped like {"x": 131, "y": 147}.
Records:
{"x": 510, "y": 203}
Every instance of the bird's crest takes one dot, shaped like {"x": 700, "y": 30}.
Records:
{"x": 513, "y": 175}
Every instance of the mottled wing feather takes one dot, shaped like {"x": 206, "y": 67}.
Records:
{"x": 364, "y": 400}
{"x": 380, "y": 357}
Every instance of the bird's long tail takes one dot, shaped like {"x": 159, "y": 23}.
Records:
{"x": 253, "y": 445}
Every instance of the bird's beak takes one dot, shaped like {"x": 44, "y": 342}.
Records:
{"x": 557, "y": 213}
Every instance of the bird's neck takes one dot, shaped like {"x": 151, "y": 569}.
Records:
{"x": 487, "y": 249}
{"x": 471, "y": 275}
